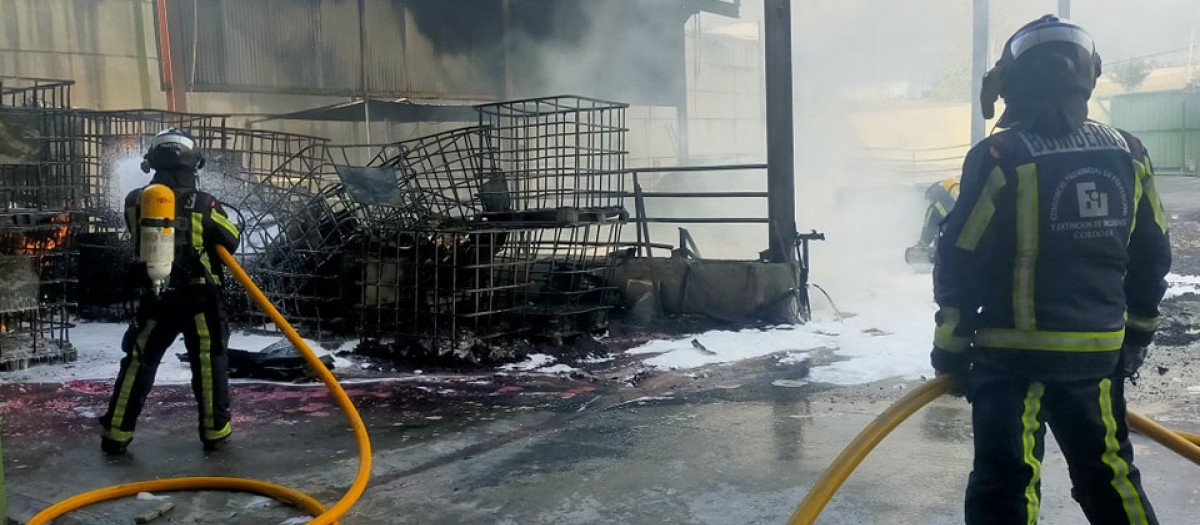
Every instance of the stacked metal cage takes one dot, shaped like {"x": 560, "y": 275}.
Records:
{"x": 565, "y": 158}
{"x": 262, "y": 177}
{"x": 448, "y": 244}
{"x": 453, "y": 273}
{"x": 42, "y": 195}
{"x": 294, "y": 235}
{"x": 387, "y": 241}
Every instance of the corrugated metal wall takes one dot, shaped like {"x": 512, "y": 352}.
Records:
{"x": 1167, "y": 122}
{"x": 631, "y": 50}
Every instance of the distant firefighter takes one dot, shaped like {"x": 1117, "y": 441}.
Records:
{"x": 940, "y": 198}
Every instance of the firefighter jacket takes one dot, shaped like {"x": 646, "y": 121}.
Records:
{"x": 1055, "y": 254}
{"x": 941, "y": 201}
{"x": 200, "y": 226}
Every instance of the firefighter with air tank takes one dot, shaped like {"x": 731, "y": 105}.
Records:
{"x": 176, "y": 229}
{"x": 1048, "y": 279}
{"x": 940, "y": 198}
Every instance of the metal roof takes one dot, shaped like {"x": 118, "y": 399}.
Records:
{"x": 384, "y": 110}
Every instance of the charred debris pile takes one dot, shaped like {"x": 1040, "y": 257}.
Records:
{"x": 455, "y": 246}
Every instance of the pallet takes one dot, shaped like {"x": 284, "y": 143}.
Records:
{"x": 53, "y": 352}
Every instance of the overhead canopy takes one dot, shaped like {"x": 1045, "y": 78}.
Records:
{"x": 384, "y": 110}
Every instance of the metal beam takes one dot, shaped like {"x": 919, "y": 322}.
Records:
{"x": 139, "y": 38}
{"x": 979, "y": 66}
{"x": 176, "y": 93}
{"x": 1064, "y": 9}
{"x": 718, "y": 7}
{"x": 781, "y": 183}
{"x": 362, "y": 66}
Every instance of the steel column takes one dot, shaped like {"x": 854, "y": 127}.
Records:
{"x": 979, "y": 65}
{"x": 781, "y": 182}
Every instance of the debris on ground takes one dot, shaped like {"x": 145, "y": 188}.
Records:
{"x": 280, "y": 361}
{"x": 155, "y": 513}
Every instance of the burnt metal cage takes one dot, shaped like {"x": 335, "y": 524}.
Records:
{"x": 565, "y": 158}
{"x": 308, "y": 233}
{"x": 36, "y": 257}
{"x": 42, "y": 194}
{"x": 453, "y": 243}
{"x": 449, "y": 244}
{"x": 451, "y": 272}
{"x": 24, "y": 92}
{"x": 561, "y": 152}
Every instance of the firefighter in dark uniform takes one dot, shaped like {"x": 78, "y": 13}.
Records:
{"x": 941, "y": 198}
{"x": 1049, "y": 274}
{"x": 190, "y": 304}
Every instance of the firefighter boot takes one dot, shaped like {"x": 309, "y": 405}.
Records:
{"x": 112, "y": 446}
{"x": 214, "y": 441}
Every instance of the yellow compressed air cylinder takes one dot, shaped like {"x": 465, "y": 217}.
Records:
{"x": 157, "y": 232}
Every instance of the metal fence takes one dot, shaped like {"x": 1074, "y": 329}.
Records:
{"x": 648, "y": 212}
{"x": 25, "y": 92}
{"x": 913, "y": 165}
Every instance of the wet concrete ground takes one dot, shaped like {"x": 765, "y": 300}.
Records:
{"x": 730, "y": 448}
{"x": 736, "y": 444}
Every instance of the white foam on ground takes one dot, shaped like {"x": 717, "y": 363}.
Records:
{"x": 889, "y": 336}
{"x": 99, "y": 349}
{"x": 1182, "y": 285}
{"x": 531, "y": 362}
{"x": 539, "y": 363}
{"x": 888, "y": 333}
{"x": 720, "y": 346}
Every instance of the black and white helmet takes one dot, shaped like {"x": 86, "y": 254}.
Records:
{"x": 173, "y": 149}
{"x": 1046, "y": 57}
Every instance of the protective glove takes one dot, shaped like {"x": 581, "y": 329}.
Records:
{"x": 1132, "y": 358}
{"x": 956, "y": 364}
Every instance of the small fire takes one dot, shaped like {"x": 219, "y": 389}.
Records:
{"x": 47, "y": 241}
{"x": 44, "y": 242}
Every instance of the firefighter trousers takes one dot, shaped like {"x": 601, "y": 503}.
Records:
{"x": 1010, "y": 415}
{"x": 201, "y": 319}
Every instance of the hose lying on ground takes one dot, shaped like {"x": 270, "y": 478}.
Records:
{"x": 1185, "y": 444}
{"x": 301, "y": 500}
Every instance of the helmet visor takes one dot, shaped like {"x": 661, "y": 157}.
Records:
{"x": 173, "y": 138}
{"x": 1028, "y": 39}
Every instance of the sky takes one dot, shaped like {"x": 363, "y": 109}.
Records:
{"x": 873, "y": 40}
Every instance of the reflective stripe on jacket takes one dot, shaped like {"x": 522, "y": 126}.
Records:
{"x": 1055, "y": 245}
{"x": 201, "y": 225}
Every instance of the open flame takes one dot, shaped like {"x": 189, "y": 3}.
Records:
{"x": 45, "y": 242}
{"x": 34, "y": 243}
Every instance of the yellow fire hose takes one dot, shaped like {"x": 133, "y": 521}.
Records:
{"x": 299, "y": 499}
{"x": 1185, "y": 444}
